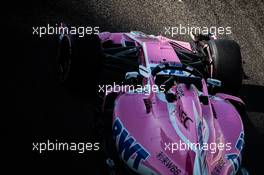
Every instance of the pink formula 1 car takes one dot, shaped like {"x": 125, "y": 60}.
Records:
{"x": 169, "y": 103}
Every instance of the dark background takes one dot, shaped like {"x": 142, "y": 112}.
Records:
{"x": 47, "y": 111}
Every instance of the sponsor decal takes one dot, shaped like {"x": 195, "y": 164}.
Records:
{"x": 164, "y": 159}
{"x": 127, "y": 145}
{"x": 235, "y": 158}
{"x": 171, "y": 72}
{"x": 183, "y": 117}
{"x": 179, "y": 92}
{"x": 219, "y": 166}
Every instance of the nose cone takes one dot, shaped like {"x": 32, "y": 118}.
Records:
{"x": 180, "y": 127}
{"x": 162, "y": 133}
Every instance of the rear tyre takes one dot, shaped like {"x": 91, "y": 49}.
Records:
{"x": 227, "y": 64}
{"x": 84, "y": 60}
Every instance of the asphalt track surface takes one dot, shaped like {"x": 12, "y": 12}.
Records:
{"x": 51, "y": 112}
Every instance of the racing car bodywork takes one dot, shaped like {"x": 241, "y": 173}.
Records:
{"x": 187, "y": 127}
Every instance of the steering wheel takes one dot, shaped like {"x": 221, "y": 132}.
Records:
{"x": 195, "y": 79}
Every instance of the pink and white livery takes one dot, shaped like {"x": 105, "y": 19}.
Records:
{"x": 176, "y": 113}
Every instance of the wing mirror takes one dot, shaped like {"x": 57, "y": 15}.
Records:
{"x": 145, "y": 72}
{"x": 213, "y": 82}
{"x": 133, "y": 78}
{"x": 131, "y": 75}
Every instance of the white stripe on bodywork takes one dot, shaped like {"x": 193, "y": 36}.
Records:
{"x": 197, "y": 164}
